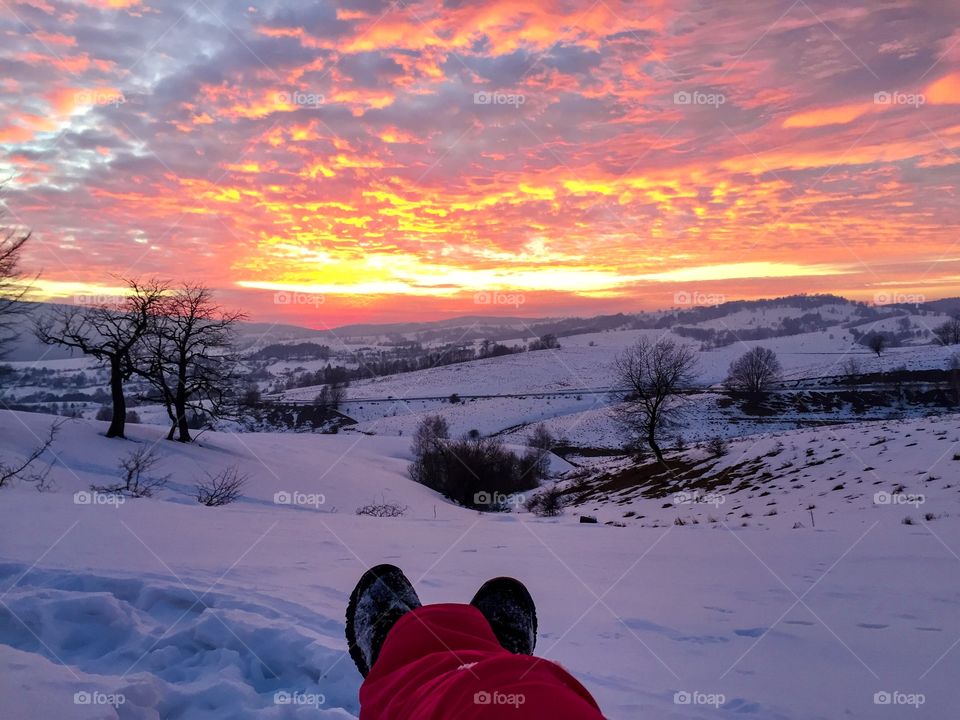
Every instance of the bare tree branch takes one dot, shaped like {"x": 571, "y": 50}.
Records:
{"x": 654, "y": 374}
{"x": 107, "y": 334}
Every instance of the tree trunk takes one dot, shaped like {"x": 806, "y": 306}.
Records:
{"x": 119, "y": 417}
{"x": 180, "y": 405}
{"x": 652, "y": 441}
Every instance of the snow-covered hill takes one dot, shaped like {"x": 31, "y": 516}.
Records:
{"x": 185, "y": 611}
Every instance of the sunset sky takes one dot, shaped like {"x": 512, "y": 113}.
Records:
{"x": 333, "y": 162}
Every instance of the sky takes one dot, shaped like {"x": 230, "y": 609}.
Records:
{"x": 364, "y": 161}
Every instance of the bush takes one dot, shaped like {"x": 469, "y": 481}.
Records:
{"x": 427, "y": 448}
{"x": 105, "y": 413}
{"x": 548, "y": 503}
{"x": 382, "y": 509}
{"x": 473, "y": 471}
{"x": 132, "y": 417}
{"x": 717, "y": 447}
{"x": 540, "y": 442}
{"x": 949, "y": 332}
{"x": 222, "y": 488}
{"x": 136, "y": 481}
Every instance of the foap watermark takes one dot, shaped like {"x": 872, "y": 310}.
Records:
{"x": 695, "y": 697}
{"x": 93, "y": 497}
{"x": 499, "y": 298}
{"x": 497, "y": 499}
{"x": 899, "y": 98}
{"x": 483, "y": 97}
{"x": 285, "y": 697}
{"x": 698, "y": 97}
{"x": 699, "y": 498}
{"x": 298, "y": 298}
{"x": 895, "y": 697}
{"x": 898, "y": 298}
{"x": 483, "y": 697}
{"x": 301, "y": 99}
{"x": 95, "y": 697}
{"x": 897, "y": 498}
{"x": 90, "y": 300}
{"x": 99, "y": 97}
{"x": 692, "y": 298}
{"x": 299, "y": 498}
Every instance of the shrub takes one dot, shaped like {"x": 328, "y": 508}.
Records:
{"x": 427, "y": 449}
{"x": 548, "y": 503}
{"x": 717, "y": 447}
{"x": 382, "y": 509}
{"x": 136, "y": 481}
{"x": 221, "y": 489}
{"x": 540, "y": 442}
{"x": 474, "y": 471}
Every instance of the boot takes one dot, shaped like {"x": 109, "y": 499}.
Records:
{"x": 382, "y": 596}
{"x": 508, "y": 607}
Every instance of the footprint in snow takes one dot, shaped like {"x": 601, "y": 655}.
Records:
{"x": 872, "y": 626}
{"x": 750, "y": 632}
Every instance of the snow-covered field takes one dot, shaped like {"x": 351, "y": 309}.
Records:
{"x": 567, "y": 386}
{"x": 183, "y": 611}
{"x": 808, "y": 574}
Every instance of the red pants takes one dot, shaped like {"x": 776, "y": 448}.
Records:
{"x": 443, "y": 662}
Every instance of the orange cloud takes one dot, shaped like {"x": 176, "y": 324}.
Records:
{"x": 838, "y": 115}
{"x": 945, "y": 91}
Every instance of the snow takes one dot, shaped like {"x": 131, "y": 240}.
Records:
{"x": 185, "y": 611}
{"x": 778, "y": 580}
{"x": 567, "y": 387}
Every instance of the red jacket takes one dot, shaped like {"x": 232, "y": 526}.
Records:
{"x": 443, "y": 662}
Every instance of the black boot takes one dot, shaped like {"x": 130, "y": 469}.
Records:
{"x": 508, "y": 607}
{"x": 382, "y": 596}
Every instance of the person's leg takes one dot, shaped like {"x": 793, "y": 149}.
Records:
{"x": 444, "y": 661}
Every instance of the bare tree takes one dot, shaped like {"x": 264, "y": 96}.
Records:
{"x": 541, "y": 443}
{"x": 949, "y": 332}
{"x": 876, "y": 342}
{"x": 756, "y": 371}
{"x": 546, "y": 503}
{"x": 653, "y": 374}
{"x": 953, "y": 368}
{"x": 9, "y": 473}
{"x": 13, "y": 289}
{"x": 186, "y": 356}
{"x": 221, "y": 489}
{"x": 427, "y": 447}
{"x": 338, "y": 393}
{"x": 135, "y": 474}
{"x": 107, "y": 334}
{"x": 850, "y": 368}
{"x": 322, "y": 398}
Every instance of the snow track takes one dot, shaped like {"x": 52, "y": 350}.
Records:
{"x": 175, "y": 652}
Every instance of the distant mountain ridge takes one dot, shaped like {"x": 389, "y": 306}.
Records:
{"x": 471, "y": 328}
